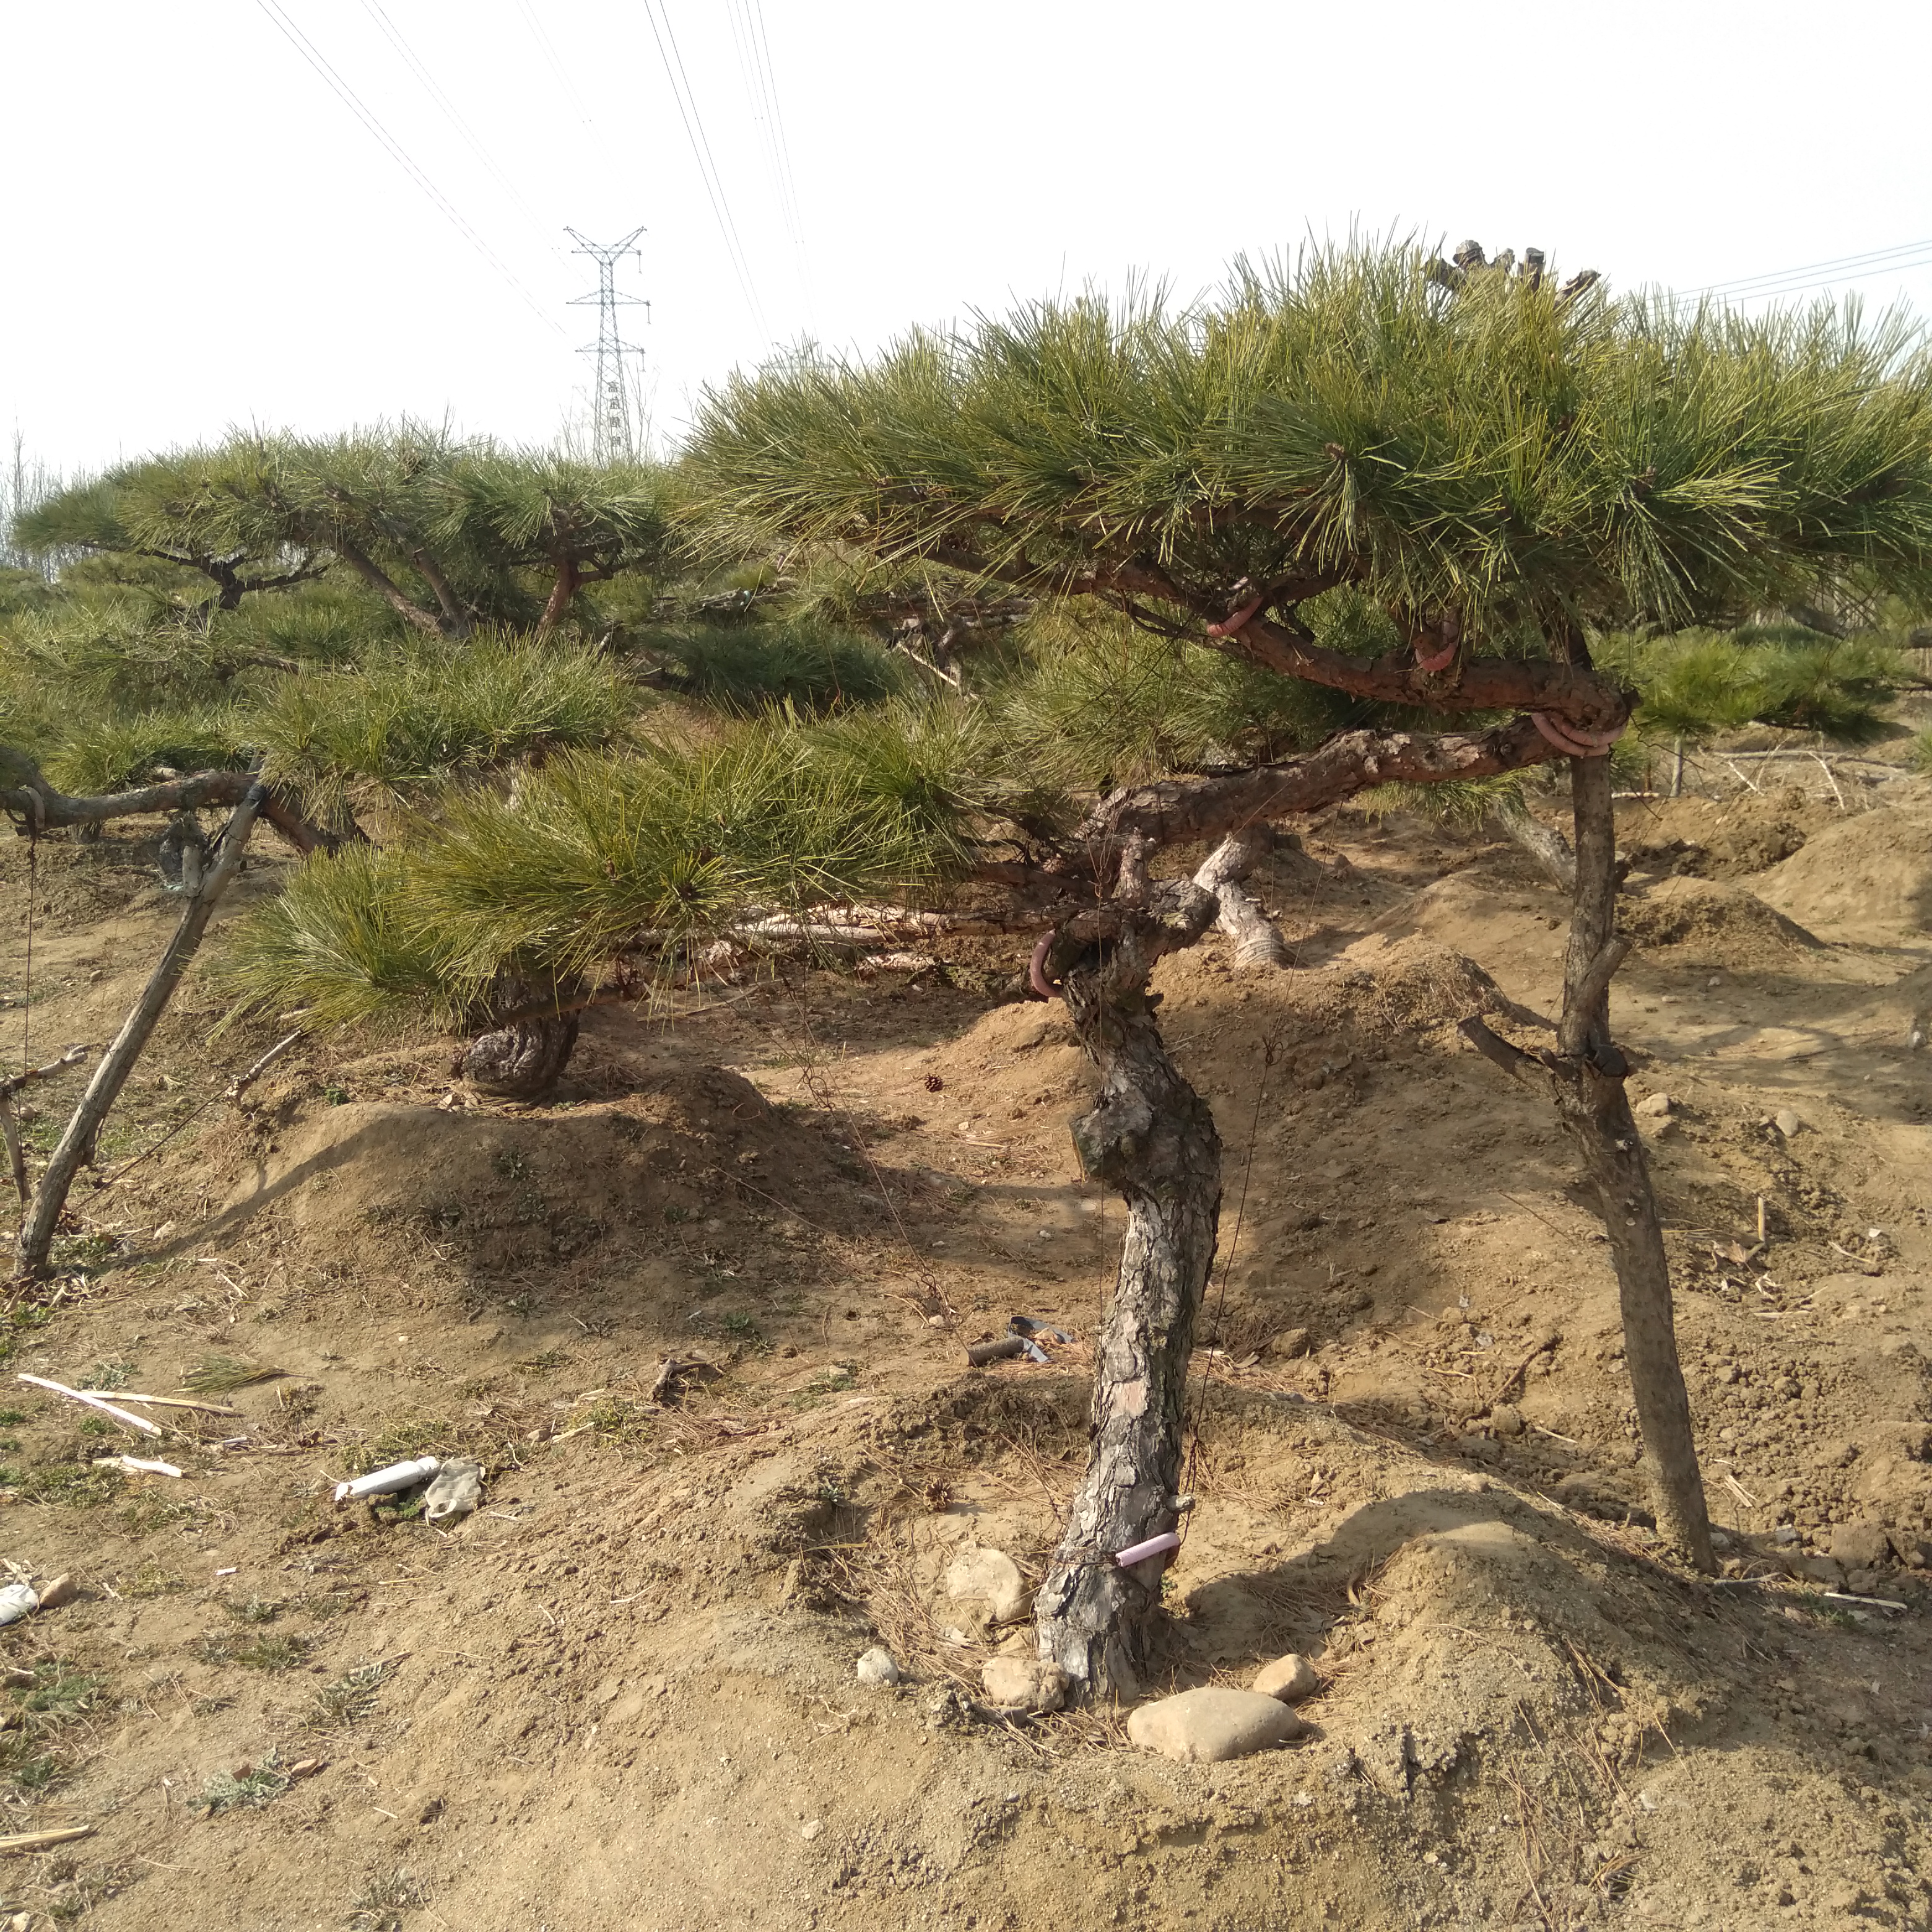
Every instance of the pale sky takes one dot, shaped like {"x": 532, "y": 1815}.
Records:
{"x": 203, "y": 233}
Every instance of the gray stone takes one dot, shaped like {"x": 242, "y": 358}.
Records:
{"x": 1288, "y": 1679}
{"x": 1658, "y": 1107}
{"x": 1290, "y": 1342}
{"x": 991, "y": 1576}
{"x": 1211, "y": 1724}
{"x": 876, "y": 1667}
{"x": 1023, "y": 1683}
{"x": 1505, "y": 1420}
{"x": 1789, "y": 1123}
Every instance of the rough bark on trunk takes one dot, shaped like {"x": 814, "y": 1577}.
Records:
{"x": 1152, "y": 1137}
{"x": 76, "y": 1144}
{"x": 1258, "y": 940}
{"x": 1549, "y": 848}
{"x": 523, "y": 1055}
{"x": 1595, "y": 1111}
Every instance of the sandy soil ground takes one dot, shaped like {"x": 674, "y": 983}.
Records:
{"x": 622, "y": 1692}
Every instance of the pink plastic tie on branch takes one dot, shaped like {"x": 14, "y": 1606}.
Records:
{"x": 1227, "y": 626}
{"x": 1139, "y": 1552}
{"x": 1571, "y": 739}
{"x": 1036, "y": 973}
{"x": 1441, "y": 661}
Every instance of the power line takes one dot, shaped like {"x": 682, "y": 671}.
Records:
{"x": 761, "y": 88}
{"x": 307, "y": 48}
{"x": 394, "y": 34}
{"x": 1805, "y": 278}
{"x": 700, "y": 149}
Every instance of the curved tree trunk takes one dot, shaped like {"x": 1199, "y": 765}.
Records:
{"x": 1153, "y": 1138}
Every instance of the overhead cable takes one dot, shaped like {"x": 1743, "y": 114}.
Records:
{"x": 307, "y": 48}
{"x": 430, "y": 86}
{"x": 701, "y": 148}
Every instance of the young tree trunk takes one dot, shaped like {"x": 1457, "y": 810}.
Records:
{"x": 562, "y": 591}
{"x": 1595, "y": 1111}
{"x": 1153, "y": 1138}
{"x": 36, "y": 1237}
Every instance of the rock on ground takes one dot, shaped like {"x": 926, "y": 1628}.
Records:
{"x": 1023, "y": 1683}
{"x": 1211, "y": 1724}
{"x": 876, "y": 1667}
{"x": 993, "y": 1577}
{"x": 1288, "y": 1679}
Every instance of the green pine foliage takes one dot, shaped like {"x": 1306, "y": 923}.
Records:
{"x": 597, "y": 856}
{"x": 336, "y": 946}
{"x": 744, "y": 668}
{"x": 425, "y": 713}
{"x": 1344, "y": 419}
{"x": 115, "y": 752}
{"x": 1698, "y": 684}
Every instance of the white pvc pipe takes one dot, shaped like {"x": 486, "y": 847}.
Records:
{"x": 387, "y": 1482}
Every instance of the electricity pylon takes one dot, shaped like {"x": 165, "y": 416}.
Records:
{"x": 613, "y": 431}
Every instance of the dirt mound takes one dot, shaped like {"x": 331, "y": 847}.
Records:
{"x": 1872, "y": 872}
{"x": 1711, "y": 920}
{"x": 1412, "y": 982}
{"x": 1727, "y": 838}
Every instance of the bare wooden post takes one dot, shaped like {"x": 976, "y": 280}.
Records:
{"x": 10, "y": 1127}
{"x": 36, "y": 1237}
{"x": 1153, "y": 1138}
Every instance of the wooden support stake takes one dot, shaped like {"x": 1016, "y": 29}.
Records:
{"x": 36, "y": 1237}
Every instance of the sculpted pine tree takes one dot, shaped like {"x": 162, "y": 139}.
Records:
{"x": 1506, "y": 468}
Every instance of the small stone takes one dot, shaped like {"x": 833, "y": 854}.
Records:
{"x": 1788, "y": 1124}
{"x": 1658, "y": 1107}
{"x": 1212, "y": 1724}
{"x": 1505, "y": 1420}
{"x": 992, "y": 1576}
{"x": 307, "y": 1767}
{"x": 1290, "y": 1343}
{"x": 1023, "y": 1683}
{"x": 62, "y": 1590}
{"x": 1288, "y": 1679}
{"x": 814, "y": 1828}
{"x": 1860, "y": 1546}
{"x": 876, "y": 1667}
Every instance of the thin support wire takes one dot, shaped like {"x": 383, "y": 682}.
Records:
{"x": 1269, "y": 1047}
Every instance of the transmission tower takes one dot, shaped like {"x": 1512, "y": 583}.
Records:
{"x": 613, "y": 431}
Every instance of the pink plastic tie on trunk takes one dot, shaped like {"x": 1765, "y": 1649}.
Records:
{"x": 1139, "y": 1552}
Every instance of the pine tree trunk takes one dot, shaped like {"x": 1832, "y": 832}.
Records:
{"x": 1153, "y": 1138}
{"x": 1595, "y": 1111}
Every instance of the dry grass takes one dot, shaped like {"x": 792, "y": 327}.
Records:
{"x": 223, "y": 1375}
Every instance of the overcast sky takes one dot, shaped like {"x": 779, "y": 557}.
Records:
{"x": 204, "y": 232}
